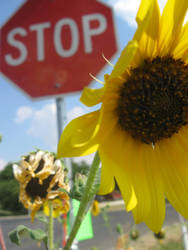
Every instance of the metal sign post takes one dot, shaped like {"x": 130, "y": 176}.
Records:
{"x": 60, "y": 123}
{"x": 59, "y": 111}
{"x": 59, "y": 114}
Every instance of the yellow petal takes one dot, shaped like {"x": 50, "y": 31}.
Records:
{"x": 46, "y": 209}
{"x": 91, "y": 97}
{"x": 114, "y": 158}
{"x": 171, "y": 24}
{"x": 35, "y": 207}
{"x": 181, "y": 50}
{"x": 95, "y": 210}
{"x": 108, "y": 120}
{"x": 139, "y": 183}
{"x": 125, "y": 59}
{"x": 79, "y": 136}
{"x": 107, "y": 183}
{"x": 133, "y": 163}
{"x": 150, "y": 169}
{"x": 126, "y": 188}
{"x": 174, "y": 167}
{"x": 58, "y": 208}
{"x": 142, "y": 18}
{"x": 144, "y": 42}
{"x": 56, "y": 213}
{"x": 150, "y": 12}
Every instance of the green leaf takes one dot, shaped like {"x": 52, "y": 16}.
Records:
{"x": 17, "y": 233}
{"x": 22, "y": 231}
{"x": 38, "y": 234}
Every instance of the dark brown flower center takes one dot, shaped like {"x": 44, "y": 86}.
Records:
{"x": 34, "y": 188}
{"x": 153, "y": 102}
{"x": 40, "y": 166}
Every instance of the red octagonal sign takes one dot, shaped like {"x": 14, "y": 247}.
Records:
{"x": 49, "y": 47}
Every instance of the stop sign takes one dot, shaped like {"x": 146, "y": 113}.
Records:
{"x": 49, "y": 47}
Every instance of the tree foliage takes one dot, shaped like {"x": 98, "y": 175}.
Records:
{"x": 7, "y": 173}
{"x": 9, "y": 191}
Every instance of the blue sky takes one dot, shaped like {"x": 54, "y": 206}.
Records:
{"x": 27, "y": 124}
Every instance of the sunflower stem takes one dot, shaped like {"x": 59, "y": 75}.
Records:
{"x": 50, "y": 227}
{"x": 86, "y": 198}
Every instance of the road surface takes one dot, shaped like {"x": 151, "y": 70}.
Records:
{"x": 104, "y": 237}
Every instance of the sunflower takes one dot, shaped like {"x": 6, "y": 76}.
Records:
{"x": 141, "y": 129}
{"x": 42, "y": 178}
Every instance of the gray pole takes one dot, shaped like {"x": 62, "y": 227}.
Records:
{"x": 60, "y": 121}
{"x": 59, "y": 110}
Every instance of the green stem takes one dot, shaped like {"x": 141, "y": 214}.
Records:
{"x": 50, "y": 227}
{"x": 88, "y": 193}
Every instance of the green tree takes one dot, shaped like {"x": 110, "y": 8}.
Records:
{"x": 9, "y": 191}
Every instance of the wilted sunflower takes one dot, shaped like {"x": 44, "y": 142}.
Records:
{"x": 41, "y": 178}
{"x": 141, "y": 129}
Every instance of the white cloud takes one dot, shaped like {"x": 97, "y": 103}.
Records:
{"x": 43, "y": 122}
{"x": 44, "y": 125}
{"x": 127, "y": 9}
{"x": 3, "y": 163}
{"x": 23, "y": 113}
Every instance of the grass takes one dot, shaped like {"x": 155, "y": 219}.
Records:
{"x": 5, "y": 213}
{"x": 172, "y": 241}
{"x": 10, "y": 213}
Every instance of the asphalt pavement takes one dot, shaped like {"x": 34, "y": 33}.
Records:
{"x": 105, "y": 236}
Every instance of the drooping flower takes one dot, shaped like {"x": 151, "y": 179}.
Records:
{"x": 42, "y": 178}
{"x": 95, "y": 209}
{"x": 141, "y": 129}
